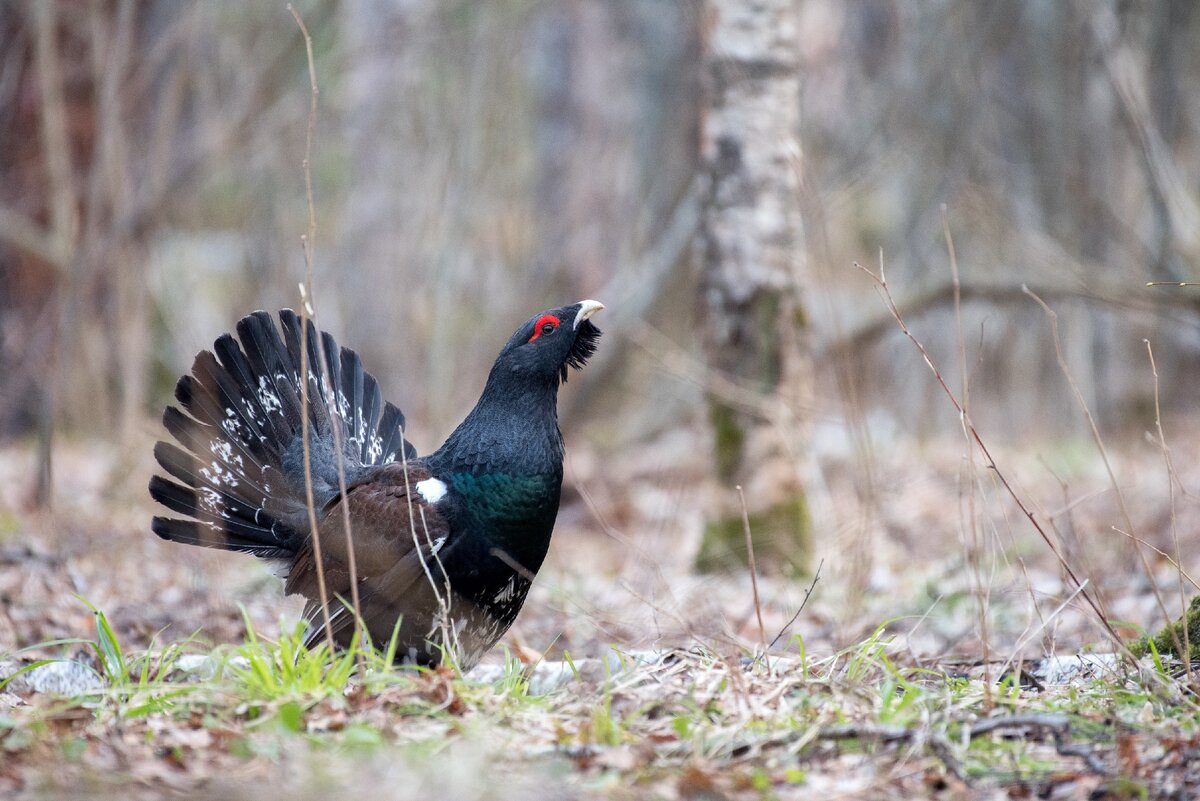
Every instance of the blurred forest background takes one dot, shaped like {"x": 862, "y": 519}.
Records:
{"x": 474, "y": 162}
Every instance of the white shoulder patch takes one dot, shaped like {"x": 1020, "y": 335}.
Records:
{"x": 432, "y": 489}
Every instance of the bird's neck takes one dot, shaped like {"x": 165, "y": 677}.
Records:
{"x": 504, "y": 464}
{"x": 513, "y": 430}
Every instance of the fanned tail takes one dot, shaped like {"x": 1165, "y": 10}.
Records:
{"x": 237, "y": 474}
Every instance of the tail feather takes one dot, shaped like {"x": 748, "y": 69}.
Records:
{"x": 319, "y": 413}
{"x": 252, "y": 485}
{"x": 227, "y": 398}
{"x": 237, "y": 366}
{"x": 352, "y": 386}
{"x": 237, "y": 472}
{"x": 372, "y": 406}
{"x": 276, "y": 386}
{"x": 217, "y": 518}
{"x": 190, "y": 532}
{"x": 391, "y": 428}
{"x": 226, "y": 446}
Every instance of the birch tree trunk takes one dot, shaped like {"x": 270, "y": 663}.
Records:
{"x": 752, "y": 265}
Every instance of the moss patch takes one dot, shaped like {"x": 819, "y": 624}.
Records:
{"x": 1165, "y": 640}
{"x": 781, "y": 534}
{"x": 728, "y": 439}
{"x": 768, "y": 358}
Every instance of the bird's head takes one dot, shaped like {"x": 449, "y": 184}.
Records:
{"x": 552, "y": 341}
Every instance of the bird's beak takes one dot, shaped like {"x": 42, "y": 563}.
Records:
{"x": 586, "y": 309}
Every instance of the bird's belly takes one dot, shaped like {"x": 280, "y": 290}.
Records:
{"x": 470, "y": 625}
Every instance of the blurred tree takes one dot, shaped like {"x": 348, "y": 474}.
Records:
{"x": 494, "y": 157}
{"x": 111, "y": 110}
{"x": 753, "y": 274}
{"x": 1057, "y": 138}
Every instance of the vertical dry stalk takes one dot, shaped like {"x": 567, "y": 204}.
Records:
{"x": 307, "y": 312}
{"x": 1185, "y": 652}
{"x": 1102, "y": 618}
{"x": 972, "y": 540}
{"x": 1112, "y": 477}
{"x": 315, "y": 533}
{"x": 762, "y": 632}
{"x": 60, "y": 237}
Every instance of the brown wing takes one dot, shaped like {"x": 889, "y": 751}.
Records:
{"x": 396, "y": 536}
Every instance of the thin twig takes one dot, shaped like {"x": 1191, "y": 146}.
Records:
{"x": 971, "y": 540}
{"x": 1171, "y": 560}
{"x": 807, "y": 595}
{"x": 339, "y": 454}
{"x": 881, "y": 283}
{"x": 1025, "y": 638}
{"x": 310, "y": 504}
{"x": 306, "y": 312}
{"x": 1186, "y": 651}
{"x": 762, "y": 632}
{"x": 1112, "y": 477}
{"x": 1000, "y": 295}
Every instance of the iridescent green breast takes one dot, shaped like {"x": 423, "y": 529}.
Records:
{"x": 504, "y": 503}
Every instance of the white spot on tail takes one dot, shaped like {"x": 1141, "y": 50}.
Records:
{"x": 267, "y": 397}
{"x": 218, "y": 475}
{"x": 432, "y": 489}
{"x": 210, "y": 501}
{"x": 374, "y": 449}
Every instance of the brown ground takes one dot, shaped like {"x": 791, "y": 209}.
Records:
{"x": 619, "y": 574}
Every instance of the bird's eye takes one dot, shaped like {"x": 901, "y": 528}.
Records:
{"x": 546, "y": 324}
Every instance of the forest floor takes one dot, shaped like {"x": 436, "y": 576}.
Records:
{"x": 944, "y": 652}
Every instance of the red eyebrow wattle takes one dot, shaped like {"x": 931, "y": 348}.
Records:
{"x": 545, "y": 318}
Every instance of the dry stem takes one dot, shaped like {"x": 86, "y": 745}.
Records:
{"x": 1185, "y": 653}
{"x": 1087, "y": 413}
{"x": 762, "y": 632}
{"x": 881, "y": 283}
{"x": 807, "y": 594}
{"x": 972, "y": 540}
{"x": 306, "y": 313}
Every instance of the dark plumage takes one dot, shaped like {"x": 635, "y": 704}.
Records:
{"x": 447, "y": 543}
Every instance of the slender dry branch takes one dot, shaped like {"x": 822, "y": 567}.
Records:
{"x": 1186, "y": 649}
{"x": 972, "y": 543}
{"x": 336, "y": 429}
{"x": 998, "y": 294}
{"x": 310, "y": 503}
{"x": 1112, "y": 477}
{"x": 306, "y": 312}
{"x": 762, "y": 632}
{"x": 807, "y": 594}
{"x": 55, "y": 140}
{"x": 881, "y": 284}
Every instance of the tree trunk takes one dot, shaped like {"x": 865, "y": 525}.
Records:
{"x": 752, "y": 264}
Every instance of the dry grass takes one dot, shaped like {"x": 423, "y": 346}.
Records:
{"x": 886, "y": 704}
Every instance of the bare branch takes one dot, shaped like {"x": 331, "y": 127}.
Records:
{"x": 881, "y": 283}
{"x": 1112, "y": 477}
{"x": 306, "y": 313}
{"x": 309, "y": 248}
{"x": 54, "y": 131}
{"x": 762, "y": 632}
